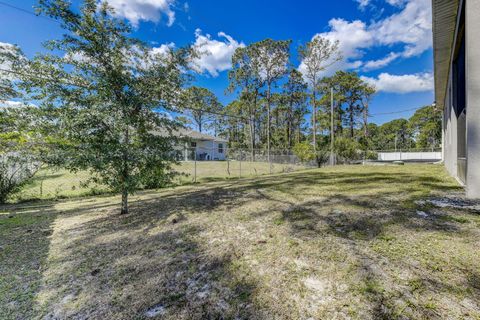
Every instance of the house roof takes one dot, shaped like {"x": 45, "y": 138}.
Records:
{"x": 192, "y": 134}
{"x": 444, "y": 18}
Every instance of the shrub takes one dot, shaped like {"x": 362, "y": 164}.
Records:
{"x": 371, "y": 155}
{"x": 347, "y": 149}
{"x": 15, "y": 171}
{"x": 304, "y": 151}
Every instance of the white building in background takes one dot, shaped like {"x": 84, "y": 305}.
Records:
{"x": 456, "y": 28}
{"x": 199, "y": 146}
{"x": 203, "y": 147}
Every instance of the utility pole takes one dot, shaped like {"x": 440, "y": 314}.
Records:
{"x": 332, "y": 132}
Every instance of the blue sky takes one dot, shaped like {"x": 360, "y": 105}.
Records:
{"x": 387, "y": 41}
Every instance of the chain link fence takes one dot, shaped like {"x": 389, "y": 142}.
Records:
{"x": 204, "y": 164}
{"x": 214, "y": 163}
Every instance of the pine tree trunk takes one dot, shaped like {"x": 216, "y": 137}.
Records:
{"x": 314, "y": 119}
{"x": 268, "y": 123}
{"x": 352, "y": 122}
{"x": 365, "y": 121}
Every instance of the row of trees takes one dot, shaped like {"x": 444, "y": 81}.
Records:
{"x": 278, "y": 106}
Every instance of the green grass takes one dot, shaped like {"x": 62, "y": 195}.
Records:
{"x": 343, "y": 242}
{"x": 57, "y": 184}
{"x": 60, "y": 183}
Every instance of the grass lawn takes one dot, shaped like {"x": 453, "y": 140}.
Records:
{"x": 333, "y": 243}
{"x": 58, "y": 184}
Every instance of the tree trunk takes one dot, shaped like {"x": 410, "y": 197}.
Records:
{"x": 365, "y": 120}
{"x": 352, "y": 122}
{"x": 124, "y": 202}
{"x": 268, "y": 123}
{"x": 252, "y": 137}
{"x": 314, "y": 119}
{"x": 252, "y": 126}
{"x": 125, "y": 175}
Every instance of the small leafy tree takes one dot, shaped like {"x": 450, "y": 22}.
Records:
{"x": 304, "y": 151}
{"x": 18, "y": 157}
{"x": 20, "y": 148}
{"x": 347, "y": 149}
{"x": 104, "y": 89}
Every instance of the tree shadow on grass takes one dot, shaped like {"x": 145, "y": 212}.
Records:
{"x": 24, "y": 247}
{"x": 106, "y": 265}
{"x": 360, "y": 219}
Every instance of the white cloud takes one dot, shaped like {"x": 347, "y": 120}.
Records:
{"x": 164, "y": 49}
{"x": 353, "y": 37}
{"x": 215, "y": 55}
{"x": 15, "y": 104}
{"x": 6, "y": 49}
{"x": 407, "y": 83}
{"x": 396, "y": 3}
{"x": 410, "y": 27}
{"x": 380, "y": 63}
{"x": 11, "y": 104}
{"x": 362, "y": 4}
{"x": 146, "y": 10}
{"x": 8, "y": 52}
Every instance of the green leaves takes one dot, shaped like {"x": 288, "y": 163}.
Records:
{"x": 102, "y": 89}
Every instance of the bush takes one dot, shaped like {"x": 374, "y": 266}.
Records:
{"x": 371, "y": 155}
{"x": 347, "y": 150}
{"x": 322, "y": 157}
{"x": 15, "y": 171}
{"x": 304, "y": 151}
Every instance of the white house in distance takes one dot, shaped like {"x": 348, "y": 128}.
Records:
{"x": 203, "y": 147}
{"x": 199, "y": 146}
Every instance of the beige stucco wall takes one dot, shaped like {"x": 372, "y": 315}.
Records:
{"x": 472, "y": 31}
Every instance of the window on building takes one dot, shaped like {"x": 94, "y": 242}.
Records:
{"x": 220, "y": 148}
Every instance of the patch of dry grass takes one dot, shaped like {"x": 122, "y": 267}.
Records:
{"x": 343, "y": 242}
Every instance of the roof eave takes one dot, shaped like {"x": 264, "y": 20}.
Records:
{"x": 444, "y": 20}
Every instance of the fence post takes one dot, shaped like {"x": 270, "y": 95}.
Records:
{"x": 195, "y": 166}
